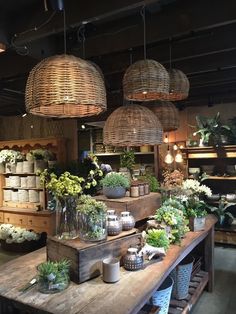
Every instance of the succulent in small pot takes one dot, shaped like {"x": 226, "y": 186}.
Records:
{"x": 115, "y": 185}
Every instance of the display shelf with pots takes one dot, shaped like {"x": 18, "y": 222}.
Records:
{"x": 22, "y": 198}
{"x": 219, "y": 163}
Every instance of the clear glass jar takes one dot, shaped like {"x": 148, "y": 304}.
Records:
{"x": 127, "y": 221}
{"x": 53, "y": 283}
{"x": 132, "y": 261}
{"x": 114, "y": 226}
{"x": 146, "y": 188}
{"x": 134, "y": 190}
{"x": 141, "y": 189}
{"x": 67, "y": 218}
{"x": 92, "y": 228}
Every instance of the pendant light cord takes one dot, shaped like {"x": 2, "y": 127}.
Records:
{"x": 64, "y": 29}
{"x": 143, "y": 14}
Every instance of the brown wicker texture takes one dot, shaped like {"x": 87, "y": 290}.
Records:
{"x": 167, "y": 114}
{"x": 132, "y": 125}
{"x": 146, "y": 80}
{"x": 65, "y": 86}
{"x": 179, "y": 85}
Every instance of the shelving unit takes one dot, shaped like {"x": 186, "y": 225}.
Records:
{"x": 220, "y": 183}
{"x": 30, "y": 215}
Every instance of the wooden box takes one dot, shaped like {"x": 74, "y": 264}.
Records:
{"x": 140, "y": 207}
{"x": 86, "y": 257}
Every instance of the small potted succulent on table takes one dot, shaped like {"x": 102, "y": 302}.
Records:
{"x": 53, "y": 276}
{"x": 115, "y": 185}
{"x": 196, "y": 213}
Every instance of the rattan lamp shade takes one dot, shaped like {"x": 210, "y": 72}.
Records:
{"x": 146, "y": 80}
{"x": 179, "y": 85}
{"x": 167, "y": 114}
{"x": 132, "y": 125}
{"x": 65, "y": 86}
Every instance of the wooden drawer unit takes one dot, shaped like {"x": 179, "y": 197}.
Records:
{"x": 15, "y": 219}
{"x": 1, "y": 217}
{"x": 40, "y": 222}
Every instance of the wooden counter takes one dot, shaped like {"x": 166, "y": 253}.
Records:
{"x": 94, "y": 296}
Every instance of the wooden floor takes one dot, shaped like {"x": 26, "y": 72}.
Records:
{"x": 221, "y": 301}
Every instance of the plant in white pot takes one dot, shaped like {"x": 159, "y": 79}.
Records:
{"x": 115, "y": 185}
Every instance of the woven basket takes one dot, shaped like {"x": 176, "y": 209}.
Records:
{"x": 132, "y": 125}
{"x": 146, "y": 80}
{"x": 7, "y": 195}
{"x": 14, "y": 196}
{"x": 162, "y": 296}
{"x": 167, "y": 114}
{"x": 65, "y": 86}
{"x": 38, "y": 183}
{"x": 23, "y": 196}
{"x": 179, "y": 85}
{"x": 33, "y": 196}
{"x": 181, "y": 276}
{"x": 7, "y": 181}
{"x": 31, "y": 181}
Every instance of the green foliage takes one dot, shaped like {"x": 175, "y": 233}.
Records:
{"x": 195, "y": 208}
{"x": 152, "y": 181}
{"x": 127, "y": 159}
{"x": 54, "y": 272}
{"x": 211, "y": 129}
{"x": 89, "y": 206}
{"x": 222, "y": 209}
{"x": 40, "y": 154}
{"x": 158, "y": 238}
{"x": 115, "y": 179}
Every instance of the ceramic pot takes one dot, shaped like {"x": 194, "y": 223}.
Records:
{"x": 127, "y": 221}
{"x": 113, "y": 225}
{"x": 132, "y": 261}
{"x": 116, "y": 192}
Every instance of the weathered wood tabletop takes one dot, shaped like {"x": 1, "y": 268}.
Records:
{"x": 94, "y": 296}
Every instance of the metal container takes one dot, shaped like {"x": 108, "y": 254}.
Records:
{"x": 127, "y": 221}
{"x": 113, "y": 225}
{"x": 132, "y": 261}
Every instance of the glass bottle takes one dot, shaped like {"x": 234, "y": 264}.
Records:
{"x": 134, "y": 190}
{"x": 141, "y": 189}
{"x": 92, "y": 228}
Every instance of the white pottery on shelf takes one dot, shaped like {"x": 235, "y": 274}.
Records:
{"x": 19, "y": 167}
{"x": 23, "y": 182}
{"x": 23, "y": 196}
{"x": 38, "y": 183}
{"x": 31, "y": 181}
{"x": 14, "y": 181}
{"x": 7, "y": 195}
{"x": 14, "y": 196}
{"x": 10, "y": 167}
{"x": 28, "y": 167}
{"x": 33, "y": 196}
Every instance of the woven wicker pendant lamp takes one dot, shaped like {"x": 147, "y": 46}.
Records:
{"x": 132, "y": 125}
{"x": 179, "y": 85}
{"x": 65, "y": 86}
{"x": 145, "y": 80}
{"x": 167, "y": 114}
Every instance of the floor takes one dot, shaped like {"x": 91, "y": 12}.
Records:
{"x": 221, "y": 301}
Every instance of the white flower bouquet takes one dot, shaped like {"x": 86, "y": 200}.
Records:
{"x": 10, "y": 155}
{"x": 12, "y": 234}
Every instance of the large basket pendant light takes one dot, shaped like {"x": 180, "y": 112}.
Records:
{"x": 65, "y": 86}
{"x": 167, "y": 114}
{"x": 179, "y": 85}
{"x": 146, "y": 80}
{"x": 132, "y": 125}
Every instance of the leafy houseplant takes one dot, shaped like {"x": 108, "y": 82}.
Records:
{"x": 152, "y": 181}
{"x": 92, "y": 219}
{"x": 127, "y": 160}
{"x": 53, "y": 276}
{"x": 211, "y": 130}
{"x": 157, "y": 238}
{"x": 115, "y": 185}
{"x": 222, "y": 212}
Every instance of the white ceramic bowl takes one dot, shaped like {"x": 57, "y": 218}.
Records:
{"x": 193, "y": 170}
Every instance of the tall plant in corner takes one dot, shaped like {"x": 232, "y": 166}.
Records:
{"x": 211, "y": 130}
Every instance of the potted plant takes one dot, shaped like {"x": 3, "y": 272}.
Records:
{"x": 157, "y": 238}
{"x": 211, "y": 130}
{"x": 154, "y": 185}
{"x": 40, "y": 157}
{"x": 127, "y": 162}
{"x": 53, "y": 276}
{"x": 9, "y": 157}
{"x": 222, "y": 211}
{"x": 115, "y": 185}
{"x": 92, "y": 219}
{"x": 19, "y": 239}
{"x": 196, "y": 213}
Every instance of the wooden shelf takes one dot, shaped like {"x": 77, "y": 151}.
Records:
{"x": 228, "y": 151}
{"x": 117, "y": 154}
{"x": 220, "y": 178}
{"x": 19, "y": 174}
{"x": 20, "y": 188}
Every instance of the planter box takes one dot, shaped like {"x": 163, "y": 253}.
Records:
{"x": 86, "y": 257}
{"x": 197, "y": 223}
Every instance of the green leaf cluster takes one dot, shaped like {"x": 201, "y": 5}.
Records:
{"x": 152, "y": 181}
{"x": 115, "y": 179}
{"x": 54, "y": 272}
{"x": 195, "y": 208}
{"x": 89, "y": 206}
{"x": 127, "y": 159}
{"x": 158, "y": 238}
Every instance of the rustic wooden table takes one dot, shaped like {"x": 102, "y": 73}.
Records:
{"x": 94, "y": 296}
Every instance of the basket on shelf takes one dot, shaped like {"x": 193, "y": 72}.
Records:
{"x": 14, "y": 181}
{"x": 99, "y": 148}
{"x": 23, "y": 182}
{"x": 162, "y": 296}
{"x": 38, "y": 183}
{"x": 31, "y": 181}
{"x": 19, "y": 167}
{"x": 28, "y": 166}
{"x": 23, "y": 196}
{"x": 14, "y": 196}
{"x": 33, "y": 196}
{"x": 181, "y": 276}
{"x": 7, "y": 195}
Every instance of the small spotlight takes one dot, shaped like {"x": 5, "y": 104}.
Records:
{"x": 83, "y": 126}
{"x": 24, "y": 115}
{"x": 144, "y": 92}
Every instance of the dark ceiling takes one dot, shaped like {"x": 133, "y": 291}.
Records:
{"x": 202, "y": 36}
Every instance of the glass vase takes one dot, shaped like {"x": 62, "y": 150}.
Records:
{"x": 53, "y": 284}
{"x": 92, "y": 227}
{"x": 67, "y": 218}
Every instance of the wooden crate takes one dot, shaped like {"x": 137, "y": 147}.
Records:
{"x": 140, "y": 207}
{"x": 86, "y": 257}
{"x": 225, "y": 236}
